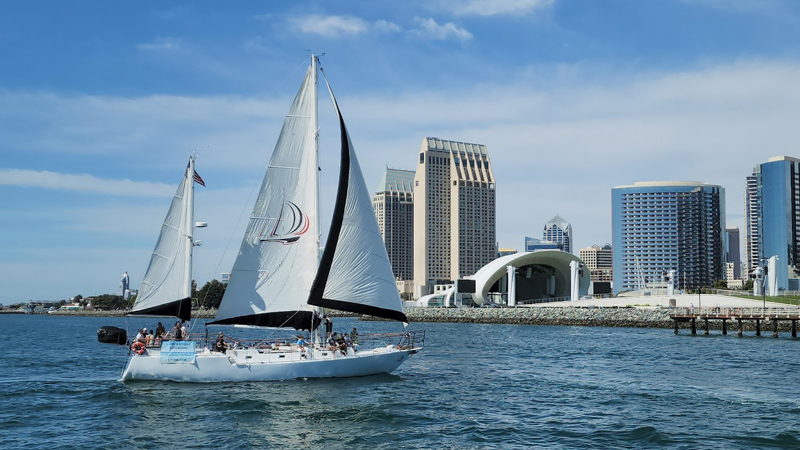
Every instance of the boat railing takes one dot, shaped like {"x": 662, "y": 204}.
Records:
{"x": 407, "y": 340}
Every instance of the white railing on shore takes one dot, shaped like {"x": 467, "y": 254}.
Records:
{"x": 778, "y": 312}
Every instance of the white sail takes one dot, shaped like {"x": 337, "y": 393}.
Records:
{"x": 166, "y": 286}
{"x": 278, "y": 258}
{"x": 355, "y": 273}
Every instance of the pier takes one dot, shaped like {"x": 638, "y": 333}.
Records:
{"x": 757, "y": 315}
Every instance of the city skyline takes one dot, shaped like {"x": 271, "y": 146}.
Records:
{"x": 102, "y": 102}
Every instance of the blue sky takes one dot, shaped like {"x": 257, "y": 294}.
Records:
{"x": 101, "y": 102}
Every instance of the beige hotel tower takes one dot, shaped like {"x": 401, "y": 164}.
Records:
{"x": 454, "y": 213}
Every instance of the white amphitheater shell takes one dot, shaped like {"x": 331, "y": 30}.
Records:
{"x": 540, "y": 276}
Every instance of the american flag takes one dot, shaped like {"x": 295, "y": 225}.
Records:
{"x": 197, "y": 179}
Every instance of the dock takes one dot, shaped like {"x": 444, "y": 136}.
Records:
{"x": 757, "y": 315}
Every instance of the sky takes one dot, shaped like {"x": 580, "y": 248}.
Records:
{"x": 102, "y": 102}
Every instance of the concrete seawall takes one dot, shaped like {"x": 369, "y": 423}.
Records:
{"x": 628, "y": 317}
{"x": 598, "y": 317}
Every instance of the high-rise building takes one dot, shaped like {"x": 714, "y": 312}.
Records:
{"x": 772, "y": 218}
{"x": 533, "y": 244}
{"x": 560, "y": 231}
{"x": 454, "y": 213}
{"x": 733, "y": 256}
{"x": 752, "y": 216}
{"x": 394, "y": 208}
{"x": 599, "y": 261}
{"x": 668, "y": 225}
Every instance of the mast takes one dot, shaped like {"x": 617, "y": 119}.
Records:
{"x": 189, "y": 226}
{"x": 315, "y": 130}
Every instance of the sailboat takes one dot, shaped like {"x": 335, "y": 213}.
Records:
{"x": 166, "y": 288}
{"x": 280, "y": 281}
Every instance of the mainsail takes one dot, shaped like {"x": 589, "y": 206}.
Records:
{"x": 278, "y": 258}
{"x": 166, "y": 286}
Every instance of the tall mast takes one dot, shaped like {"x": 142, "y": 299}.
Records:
{"x": 189, "y": 227}
{"x": 315, "y": 129}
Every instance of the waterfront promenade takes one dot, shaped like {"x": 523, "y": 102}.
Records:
{"x": 634, "y": 312}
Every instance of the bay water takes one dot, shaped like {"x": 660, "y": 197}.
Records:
{"x": 473, "y": 387}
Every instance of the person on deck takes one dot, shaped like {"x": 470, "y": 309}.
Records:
{"x": 177, "y": 332}
{"x": 220, "y": 346}
{"x": 348, "y": 342}
{"x": 160, "y": 331}
{"x": 340, "y": 344}
{"x": 354, "y": 336}
{"x": 332, "y": 342}
{"x": 328, "y": 327}
{"x": 140, "y": 336}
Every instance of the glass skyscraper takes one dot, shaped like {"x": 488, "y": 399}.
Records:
{"x": 560, "y": 231}
{"x": 772, "y": 210}
{"x": 668, "y": 225}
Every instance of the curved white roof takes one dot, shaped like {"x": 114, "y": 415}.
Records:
{"x": 490, "y": 273}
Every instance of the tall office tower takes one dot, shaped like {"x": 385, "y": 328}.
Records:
{"x": 558, "y": 230}
{"x": 454, "y": 213}
{"x": 533, "y": 244}
{"x": 668, "y": 225}
{"x": 752, "y": 215}
{"x": 599, "y": 261}
{"x": 394, "y": 208}
{"x": 733, "y": 255}
{"x": 772, "y": 217}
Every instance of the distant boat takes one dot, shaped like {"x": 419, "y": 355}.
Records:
{"x": 279, "y": 279}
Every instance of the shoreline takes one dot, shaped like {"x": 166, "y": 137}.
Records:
{"x": 613, "y": 316}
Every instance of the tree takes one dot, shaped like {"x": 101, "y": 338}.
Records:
{"x": 720, "y": 284}
{"x": 109, "y": 302}
{"x": 210, "y": 295}
{"x": 748, "y": 285}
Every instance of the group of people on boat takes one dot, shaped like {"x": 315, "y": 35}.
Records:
{"x": 342, "y": 342}
{"x": 153, "y": 338}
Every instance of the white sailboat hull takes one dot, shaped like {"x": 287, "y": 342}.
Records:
{"x": 253, "y": 365}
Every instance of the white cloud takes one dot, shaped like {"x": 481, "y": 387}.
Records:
{"x": 558, "y": 145}
{"x": 382, "y": 26}
{"x": 256, "y": 45}
{"x": 494, "y": 7}
{"x": 328, "y": 26}
{"x": 162, "y": 44}
{"x": 429, "y": 29}
{"x": 82, "y": 182}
